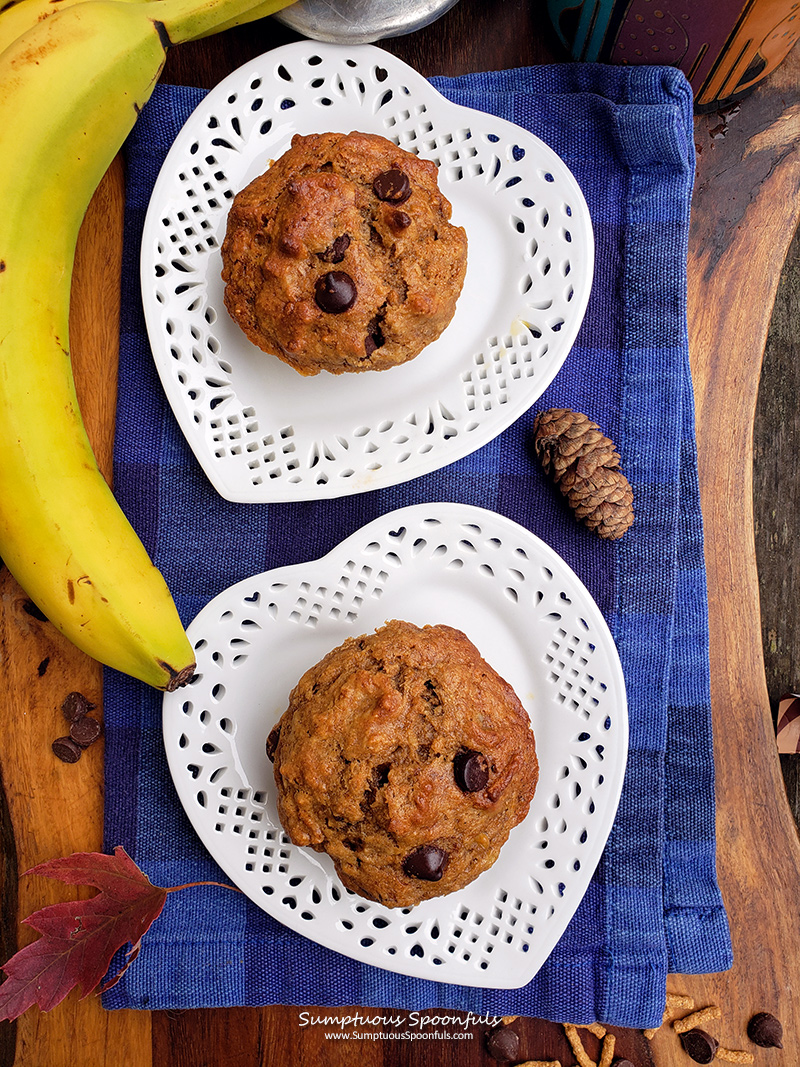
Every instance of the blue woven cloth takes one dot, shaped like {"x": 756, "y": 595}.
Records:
{"x": 653, "y": 906}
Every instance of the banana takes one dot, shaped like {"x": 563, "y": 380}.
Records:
{"x": 71, "y": 87}
{"x": 19, "y": 15}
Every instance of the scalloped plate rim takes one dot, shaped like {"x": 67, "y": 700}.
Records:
{"x": 437, "y": 907}
{"x": 231, "y": 485}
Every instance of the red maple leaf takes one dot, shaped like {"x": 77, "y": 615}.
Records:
{"x": 79, "y": 938}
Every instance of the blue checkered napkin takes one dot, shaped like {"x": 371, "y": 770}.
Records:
{"x": 653, "y": 906}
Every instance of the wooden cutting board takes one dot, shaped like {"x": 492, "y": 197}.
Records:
{"x": 745, "y": 211}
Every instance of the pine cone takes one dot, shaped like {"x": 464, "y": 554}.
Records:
{"x": 584, "y": 464}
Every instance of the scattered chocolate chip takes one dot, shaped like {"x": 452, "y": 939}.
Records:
{"x": 335, "y": 292}
{"x": 699, "y": 1045}
{"x": 502, "y": 1044}
{"x": 335, "y": 251}
{"x": 399, "y": 221}
{"x": 470, "y": 770}
{"x": 66, "y": 749}
{"x": 272, "y": 741}
{"x": 392, "y": 186}
{"x": 75, "y": 705}
{"x": 765, "y": 1030}
{"x": 427, "y": 863}
{"x": 85, "y": 730}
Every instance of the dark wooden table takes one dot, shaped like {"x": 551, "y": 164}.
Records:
{"x": 744, "y": 215}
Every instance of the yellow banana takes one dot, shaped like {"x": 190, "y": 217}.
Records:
{"x": 71, "y": 87}
{"x": 18, "y": 16}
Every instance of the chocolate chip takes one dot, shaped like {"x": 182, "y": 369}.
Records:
{"x": 470, "y": 770}
{"x": 75, "y": 705}
{"x": 272, "y": 741}
{"x": 335, "y": 251}
{"x": 765, "y": 1030}
{"x": 622, "y": 1063}
{"x": 392, "y": 186}
{"x": 399, "y": 221}
{"x": 699, "y": 1045}
{"x": 85, "y": 730}
{"x": 427, "y": 863}
{"x": 502, "y": 1044}
{"x": 335, "y": 292}
{"x": 66, "y": 749}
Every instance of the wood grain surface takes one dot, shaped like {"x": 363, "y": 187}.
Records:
{"x": 776, "y": 502}
{"x": 744, "y": 215}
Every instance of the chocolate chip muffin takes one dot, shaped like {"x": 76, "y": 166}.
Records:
{"x": 341, "y": 256}
{"x": 406, "y": 758}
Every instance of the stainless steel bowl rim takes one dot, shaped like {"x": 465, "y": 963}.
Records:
{"x": 360, "y": 21}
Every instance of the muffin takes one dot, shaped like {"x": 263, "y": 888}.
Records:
{"x": 407, "y": 759}
{"x": 341, "y": 256}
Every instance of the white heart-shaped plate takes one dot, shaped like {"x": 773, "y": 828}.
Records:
{"x": 262, "y": 432}
{"x": 532, "y": 620}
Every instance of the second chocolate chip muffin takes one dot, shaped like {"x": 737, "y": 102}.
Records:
{"x": 341, "y": 256}
{"x": 406, "y": 758}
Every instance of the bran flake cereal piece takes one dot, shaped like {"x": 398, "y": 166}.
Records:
{"x": 731, "y": 1055}
{"x": 540, "y": 1063}
{"x": 697, "y": 1019}
{"x": 508, "y": 1019}
{"x": 680, "y": 1000}
{"x": 675, "y": 1002}
{"x": 576, "y": 1044}
{"x": 597, "y": 1029}
{"x": 607, "y": 1051}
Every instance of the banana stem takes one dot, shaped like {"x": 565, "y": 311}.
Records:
{"x": 188, "y": 20}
